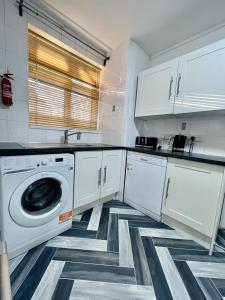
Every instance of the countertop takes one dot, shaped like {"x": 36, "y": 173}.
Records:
{"x": 12, "y": 149}
{"x": 210, "y": 159}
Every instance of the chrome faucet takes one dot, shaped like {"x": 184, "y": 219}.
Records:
{"x": 67, "y": 134}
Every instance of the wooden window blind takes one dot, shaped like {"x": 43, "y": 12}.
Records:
{"x": 63, "y": 88}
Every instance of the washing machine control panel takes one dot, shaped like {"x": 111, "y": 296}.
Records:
{"x": 29, "y": 162}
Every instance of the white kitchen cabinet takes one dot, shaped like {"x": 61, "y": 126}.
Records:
{"x": 97, "y": 175}
{"x": 194, "y": 194}
{"x": 87, "y": 177}
{"x": 201, "y": 76}
{"x": 111, "y": 167}
{"x": 156, "y": 90}
{"x": 197, "y": 84}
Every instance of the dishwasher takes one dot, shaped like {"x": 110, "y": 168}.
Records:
{"x": 144, "y": 184}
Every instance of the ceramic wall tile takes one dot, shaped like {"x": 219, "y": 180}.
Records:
{"x": 13, "y": 19}
{"x": 15, "y": 40}
{"x": 3, "y": 130}
{"x": 18, "y": 112}
{"x": 17, "y": 131}
{"x": 54, "y": 136}
{"x": 36, "y": 135}
{"x": 2, "y": 22}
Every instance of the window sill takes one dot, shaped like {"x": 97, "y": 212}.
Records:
{"x": 63, "y": 129}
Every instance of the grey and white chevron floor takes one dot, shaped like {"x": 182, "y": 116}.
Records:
{"x": 115, "y": 252}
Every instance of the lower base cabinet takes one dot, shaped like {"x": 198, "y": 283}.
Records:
{"x": 194, "y": 194}
{"x": 97, "y": 175}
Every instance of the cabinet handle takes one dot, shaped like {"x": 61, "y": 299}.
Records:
{"x": 170, "y": 88}
{"x": 167, "y": 188}
{"x": 144, "y": 159}
{"x": 105, "y": 170}
{"x": 99, "y": 176}
{"x": 178, "y": 84}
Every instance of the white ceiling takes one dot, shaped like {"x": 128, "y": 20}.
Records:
{"x": 154, "y": 24}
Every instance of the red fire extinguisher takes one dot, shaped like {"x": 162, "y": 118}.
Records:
{"x": 6, "y": 86}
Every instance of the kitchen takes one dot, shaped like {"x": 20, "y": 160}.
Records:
{"x": 112, "y": 149}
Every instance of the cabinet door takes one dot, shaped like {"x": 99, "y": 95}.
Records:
{"x": 156, "y": 90}
{"x": 192, "y": 194}
{"x": 201, "y": 84}
{"x": 111, "y": 169}
{"x": 87, "y": 177}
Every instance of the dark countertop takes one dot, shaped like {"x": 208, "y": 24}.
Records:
{"x": 210, "y": 159}
{"x": 12, "y": 149}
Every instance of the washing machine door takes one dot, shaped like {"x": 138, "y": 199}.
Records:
{"x": 39, "y": 199}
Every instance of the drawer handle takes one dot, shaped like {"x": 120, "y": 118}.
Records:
{"x": 170, "y": 88}
{"x": 99, "y": 176}
{"x": 167, "y": 188}
{"x": 144, "y": 159}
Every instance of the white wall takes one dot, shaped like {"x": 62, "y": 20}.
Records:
{"x": 209, "y": 130}
{"x": 138, "y": 60}
{"x": 119, "y": 88}
{"x": 14, "y": 121}
{"x": 113, "y": 85}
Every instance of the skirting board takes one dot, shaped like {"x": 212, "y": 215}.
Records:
{"x": 83, "y": 208}
{"x": 200, "y": 238}
{"x": 143, "y": 210}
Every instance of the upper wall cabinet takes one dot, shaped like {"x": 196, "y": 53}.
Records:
{"x": 156, "y": 90}
{"x": 201, "y": 80}
{"x": 195, "y": 84}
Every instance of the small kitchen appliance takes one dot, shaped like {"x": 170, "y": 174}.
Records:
{"x": 148, "y": 142}
{"x": 179, "y": 143}
{"x": 140, "y": 141}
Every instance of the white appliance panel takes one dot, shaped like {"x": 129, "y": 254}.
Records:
{"x": 144, "y": 184}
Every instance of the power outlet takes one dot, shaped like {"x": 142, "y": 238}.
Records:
{"x": 183, "y": 125}
{"x": 114, "y": 108}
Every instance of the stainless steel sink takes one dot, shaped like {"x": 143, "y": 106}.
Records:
{"x": 52, "y": 145}
{"x": 80, "y": 145}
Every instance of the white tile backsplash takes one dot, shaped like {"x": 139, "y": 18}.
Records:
{"x": 209, "y": 132}
{"x": 3, "y": 130}
{"x": 17, "y": 131}
{"x": 18, "y": 112}
{"x": 37, "y": 135}
{"x": 54, "y": 136}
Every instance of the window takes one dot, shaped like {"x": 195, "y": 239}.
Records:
{"x": 63, "y": 88}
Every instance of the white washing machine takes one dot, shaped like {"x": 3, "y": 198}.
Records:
{"x": 36, "y": 199}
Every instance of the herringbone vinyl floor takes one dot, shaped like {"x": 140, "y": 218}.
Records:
{"x": 115, "y": 252}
